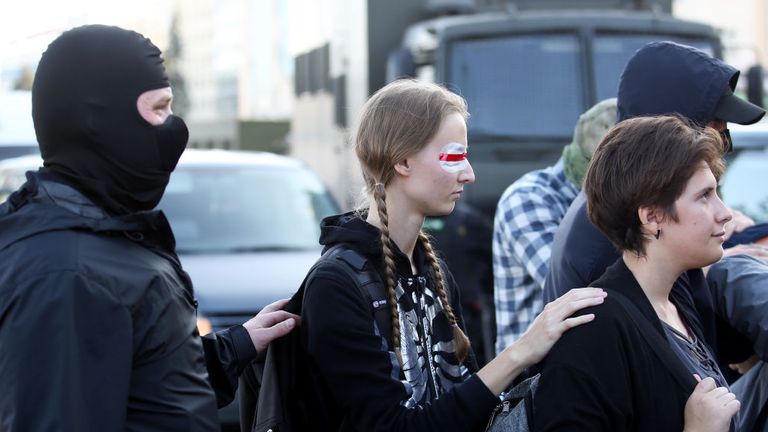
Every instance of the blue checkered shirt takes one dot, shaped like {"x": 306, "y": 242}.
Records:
{"x": 527, "y": 216}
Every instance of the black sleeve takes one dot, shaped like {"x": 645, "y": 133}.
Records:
{"x": 580, "y": 252}
{"x": 66, "y": 355}
{"x": 227, "y": 353}
{"x": 338, "y": 328}
{"x": 739, "y": 286}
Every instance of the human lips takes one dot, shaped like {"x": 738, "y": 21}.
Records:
{"x": 719, "y": 235}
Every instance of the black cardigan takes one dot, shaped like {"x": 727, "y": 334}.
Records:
{"x": 604, "y": 376}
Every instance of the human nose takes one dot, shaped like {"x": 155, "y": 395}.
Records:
{"x": 723, "y": 213}
{"x": 467, "y": 175}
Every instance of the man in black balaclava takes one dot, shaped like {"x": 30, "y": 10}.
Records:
{"x": 90, "y": 132}
{"x": 97, "y": 317}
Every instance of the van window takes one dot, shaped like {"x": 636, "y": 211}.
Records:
{"x": 612, "y": 51}
{"x": 526, "y": 86}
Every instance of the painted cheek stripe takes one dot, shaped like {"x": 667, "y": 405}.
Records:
{"x": 453, "y": 157}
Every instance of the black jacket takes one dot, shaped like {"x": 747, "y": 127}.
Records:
{"x": 739, "y": 284}
{"x": 357, "y": 373}
{"x": 98, "y": 321}
{"x": 604, "y": 376}
{"x": 580, "y": 254}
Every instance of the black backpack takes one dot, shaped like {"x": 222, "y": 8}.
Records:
{"x": 275, "y": 391}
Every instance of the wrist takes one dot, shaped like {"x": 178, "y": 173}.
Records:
{"x": 517, "y": 357}
{"x": 522, "y": 353}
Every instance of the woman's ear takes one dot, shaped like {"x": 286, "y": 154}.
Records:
{"x": 651, "y": 218}
{"x": 403, "y": 168}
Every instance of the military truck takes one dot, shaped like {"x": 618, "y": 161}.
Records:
{"x": 527, "y": 68}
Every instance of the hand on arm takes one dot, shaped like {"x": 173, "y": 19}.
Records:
{"x": 546, "y": 329}
{"x": 744, "y": 366}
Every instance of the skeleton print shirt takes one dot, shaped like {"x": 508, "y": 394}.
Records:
{"x": 430, "y": 366}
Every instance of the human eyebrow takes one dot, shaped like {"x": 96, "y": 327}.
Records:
{"x": 705, "y": 191}
{"x": 165, "y": 100}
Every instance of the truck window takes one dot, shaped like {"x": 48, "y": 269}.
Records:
{"x": 525, "y": 86}
{"x": 611, "y": 53}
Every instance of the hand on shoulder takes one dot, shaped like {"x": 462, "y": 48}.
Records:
{"x": 557, "y": 318}
{"x": 269, "y": 324}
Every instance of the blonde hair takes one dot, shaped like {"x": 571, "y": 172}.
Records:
{"x": 396, "y": 122}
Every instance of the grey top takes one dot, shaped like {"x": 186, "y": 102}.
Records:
{"x": 694, "y": 355}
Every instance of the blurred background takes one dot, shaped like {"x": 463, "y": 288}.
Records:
{"x": 288, "y": 77}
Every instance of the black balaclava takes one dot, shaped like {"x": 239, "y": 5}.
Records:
{"x": 88, "y": 126}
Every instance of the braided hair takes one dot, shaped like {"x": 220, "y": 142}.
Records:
{"x": 396, "y": 122}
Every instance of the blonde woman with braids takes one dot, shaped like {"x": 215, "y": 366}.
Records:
{"x": 411, "y": 142}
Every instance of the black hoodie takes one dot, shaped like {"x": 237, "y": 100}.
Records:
{"x": 359, "y": 376}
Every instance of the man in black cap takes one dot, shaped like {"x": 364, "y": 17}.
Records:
{"x": 660, "y": 78}
{"x": 97, "y": 317}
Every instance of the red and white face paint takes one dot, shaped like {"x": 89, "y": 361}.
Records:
{"x": 453, "y": 157}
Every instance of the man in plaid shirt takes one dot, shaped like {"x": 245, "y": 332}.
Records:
{"x": 527, "y": 217}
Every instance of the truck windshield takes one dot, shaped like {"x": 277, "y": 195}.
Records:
{"x": 533, "y": 86}
{"x": 612, "y": 51}
{"x": 509, "y": 82}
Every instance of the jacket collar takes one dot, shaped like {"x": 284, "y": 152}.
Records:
{"x": 43, "y": 204}
{"x": 619, "y": 278}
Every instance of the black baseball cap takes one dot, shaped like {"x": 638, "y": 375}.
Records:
{"x": 733, "y": 109}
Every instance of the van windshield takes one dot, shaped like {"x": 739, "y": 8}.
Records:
{"x": 532, "y": 86}
{"x": 527, "y": 85}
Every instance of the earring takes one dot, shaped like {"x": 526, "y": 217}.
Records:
{"x": 658, "y": 233}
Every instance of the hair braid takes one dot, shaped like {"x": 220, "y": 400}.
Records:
{"x": 460, "y": 340}
{"x": 380, "y": 195}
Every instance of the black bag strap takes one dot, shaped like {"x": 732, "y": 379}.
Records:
{"x": 657, "y": 342}
{"x": 273, "y": 378}
{"x": 370, "y": 285}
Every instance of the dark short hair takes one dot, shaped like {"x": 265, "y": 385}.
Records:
{"x": 645, "y": 161}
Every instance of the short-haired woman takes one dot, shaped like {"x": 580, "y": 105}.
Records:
{"x": 651, "y": 189}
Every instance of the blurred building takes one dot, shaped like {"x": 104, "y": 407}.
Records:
{"x": 237, "y": 71}
{"x": 743, "y": 25}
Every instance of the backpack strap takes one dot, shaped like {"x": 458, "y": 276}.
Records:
{"x": 657, "y": 342}
{"x": 370, "y": 285}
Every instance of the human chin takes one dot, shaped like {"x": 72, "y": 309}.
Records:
{"x": 713, "y": 253}
{"x": 442, "y": 210}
